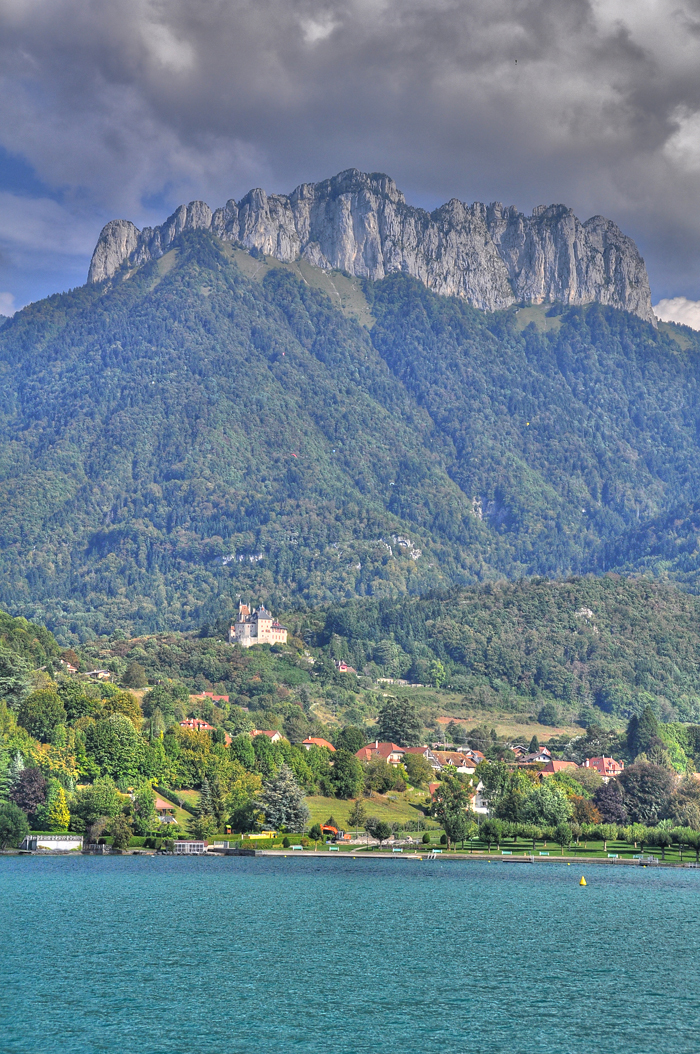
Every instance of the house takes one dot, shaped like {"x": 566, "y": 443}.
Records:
{"x": 314, "y": 741}
{"x": 68, "y": 666}
{"x": 214, "y": 698}
{"x": 479, "y": 803}
{"x": 462, "y": 762}
{"x": 553, "y": 766}
{"x": 99, "y": 675}
{"x": 62, "y": 843}
{"x": 386, "y": 751}
{"x": 538, "y": 757}
{"x": 475, "y": 755}
{"x": 195, "y": 725}
{"x": 165, "y": 810}
{"x": 429, "y": 755}
{"x": 256, "y": 627}
{"x": 185, "y": 848}
{"x": 272, "y": 734}
{"x": 342, "y": 667}
{"x": 607, "y": 767}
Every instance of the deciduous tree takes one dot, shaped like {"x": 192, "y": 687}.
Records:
{"x": 29, "y": 790}
{"x": 13, "y": 825}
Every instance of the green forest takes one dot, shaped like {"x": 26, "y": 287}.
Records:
{"x": 187, "y": 433}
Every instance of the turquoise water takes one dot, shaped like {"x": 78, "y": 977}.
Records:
{"x": 142, "y": 955}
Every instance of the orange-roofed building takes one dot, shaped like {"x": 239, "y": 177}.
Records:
{"x": 607, "y": 767}
{"x": 387, "y": 751}
{"x": 195, "y": 725}
{"x": 557, "y": 766}
{"x": 271, "y": 734}
{"x": 314, "y": 741}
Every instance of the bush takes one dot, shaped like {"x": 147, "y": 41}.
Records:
{"x": 285, "y": 842}
{"x": 443, "y": 839}
{"x": 13, "y": 826}
{"x": 426, "y": 839}
{"x": 315, "y": 833}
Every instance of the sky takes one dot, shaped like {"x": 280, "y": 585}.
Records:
{"x": 128, "y": 108}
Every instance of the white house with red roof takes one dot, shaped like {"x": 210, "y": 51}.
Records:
{"x": 272, "y": 734}
{"x": 316, "y": 741}
{"x": 390, "y": 752}
{"x": 607, "y": 767}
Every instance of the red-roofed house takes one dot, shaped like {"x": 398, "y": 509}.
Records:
{"x": 607, "y": 767}
{"x": 462, "y": 762}
{"x": 314, "y": 741}
{"x": 387, "y": 751}
{"x": 271, "y": 734}
{"x": 165, "y": 810}
{"x": 214, "y": 698}
{"x": 195, "y": 725}
{"x": 553, "y": 766}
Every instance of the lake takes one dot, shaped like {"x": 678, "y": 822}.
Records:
{"x": 152, "y": 955}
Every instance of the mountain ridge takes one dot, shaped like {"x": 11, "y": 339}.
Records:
{"x": 210, "y": 424}
{"x": 490, "y": 255}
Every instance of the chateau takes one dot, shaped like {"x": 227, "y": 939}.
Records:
{"x": 256, "y": 627}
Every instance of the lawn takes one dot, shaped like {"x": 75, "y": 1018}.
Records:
{"x": 397, "y": 808}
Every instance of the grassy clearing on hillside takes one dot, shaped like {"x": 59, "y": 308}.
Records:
{"x": 512, "y": 726}
{"x": 399, "y": 810}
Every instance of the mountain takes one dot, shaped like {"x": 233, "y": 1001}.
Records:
{"x": 216, "y": 422}
{"x": 614, "y": 643}
{"x": 492, "y": 256}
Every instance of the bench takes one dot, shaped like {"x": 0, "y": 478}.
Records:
{"x": 506, "y": 852}
{"x": 333, "y": 849}
{"x": 437, "y": 850}
{"x": 397, "y": 850}
{"x": 544, "y": 854}
{"x": 299, "y": 847}
{"x": 613, "y": 856}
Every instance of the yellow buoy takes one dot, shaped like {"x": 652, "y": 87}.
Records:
{"x": 583, "y": 881}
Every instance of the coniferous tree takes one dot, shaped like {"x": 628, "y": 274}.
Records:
{"x": 283, "y": 802}
{"x": 57, "y": 814}
{"x": 15, "y": 768}
{"x": 217, "y": 802}
{"x": 643, "y": 733}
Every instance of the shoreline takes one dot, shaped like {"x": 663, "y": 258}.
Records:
{"x": 487, "y": 858}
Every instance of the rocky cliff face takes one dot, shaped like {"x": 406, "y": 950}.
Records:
{"x": 491, "y": 255}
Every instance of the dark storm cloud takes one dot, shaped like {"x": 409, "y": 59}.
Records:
{"x": 130, "y": 107}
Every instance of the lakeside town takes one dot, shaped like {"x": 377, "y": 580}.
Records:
{"x": 101, "y": 760}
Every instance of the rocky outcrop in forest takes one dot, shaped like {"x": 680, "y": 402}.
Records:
{"x": 491, "y": 255}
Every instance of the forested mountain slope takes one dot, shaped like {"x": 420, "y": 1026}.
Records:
{"x": 209, "y": 425}
{"x": 614, "y": 643}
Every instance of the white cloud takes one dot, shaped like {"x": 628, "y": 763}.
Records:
{"x": 679, "y": 309}
{"x": 41, "y": 223}
{"x": 7, "y": 304}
